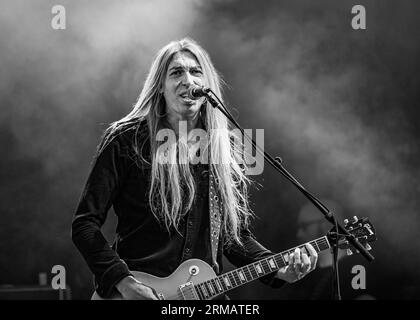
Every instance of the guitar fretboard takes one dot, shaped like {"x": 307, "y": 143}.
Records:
{"x": 235, "y": 278}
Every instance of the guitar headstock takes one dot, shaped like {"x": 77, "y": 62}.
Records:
{"x": 361, "y": 229}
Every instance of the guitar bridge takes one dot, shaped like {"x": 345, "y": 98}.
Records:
{"x": 188, "y": 291}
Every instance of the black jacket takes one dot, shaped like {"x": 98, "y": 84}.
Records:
{"x": 119, "y": 179}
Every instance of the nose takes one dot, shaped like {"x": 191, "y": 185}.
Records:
{"x": 187, "y": 79}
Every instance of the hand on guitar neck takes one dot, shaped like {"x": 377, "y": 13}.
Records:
{"x": 132, "y": 289}
{"x": 300, "y": 263}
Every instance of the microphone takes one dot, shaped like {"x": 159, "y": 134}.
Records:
{"x": 196, "y": 92}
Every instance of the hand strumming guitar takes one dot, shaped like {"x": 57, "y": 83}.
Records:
{"x": 131, "y": 289}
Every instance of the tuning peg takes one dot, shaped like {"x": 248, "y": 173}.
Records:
{"x": 355, "y": 218}
{"x": 346, "y": 222}
{"x": 367, "y": 246}
{"x": 349, "y": 252}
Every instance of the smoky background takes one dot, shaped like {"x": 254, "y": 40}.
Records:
{"x": 340, "y": 106}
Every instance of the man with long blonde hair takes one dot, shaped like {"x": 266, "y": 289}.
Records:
{"x": 170, "y": 208}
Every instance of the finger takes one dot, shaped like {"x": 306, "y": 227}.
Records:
{"x": 150, "y": 293}
{"x": 311, "y": 250}
{"x": 298, "y": 261}
{"x": 155, "y": 294}
{"x": 313, "y": 257}
{"x": 291, "y": 262}
{"x": 306, "y": 263}
{"x": 291, "y": 258}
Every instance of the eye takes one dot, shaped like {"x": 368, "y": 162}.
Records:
{"x": 176, "y": 72}
{"x": 197, "y": 71}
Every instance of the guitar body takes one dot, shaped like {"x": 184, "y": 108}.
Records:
{"x": 191, "y": 271}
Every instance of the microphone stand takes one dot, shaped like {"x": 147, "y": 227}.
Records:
{"x": 329, "y": 216}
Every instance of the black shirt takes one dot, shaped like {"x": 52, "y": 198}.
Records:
{"x": 119, "y": 179}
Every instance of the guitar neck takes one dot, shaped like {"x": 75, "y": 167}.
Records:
{"x": 235, "y": 278}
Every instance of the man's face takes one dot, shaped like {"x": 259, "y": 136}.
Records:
{"x": 183, "y": 72}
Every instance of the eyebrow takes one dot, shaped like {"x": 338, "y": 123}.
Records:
{"x": 182, "y": 67}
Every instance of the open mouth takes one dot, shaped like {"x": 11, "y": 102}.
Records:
{"x": 186, "y": 98}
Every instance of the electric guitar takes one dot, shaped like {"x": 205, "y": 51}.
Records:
{"x": 194, "y": 279}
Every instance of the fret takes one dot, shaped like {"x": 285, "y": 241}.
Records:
{"x": 320, "y": 244}
{"x": 257, "y": 269}
{"x": 236, "y": 277}
{"x": 252, "y": 271}
{"x": 231, "y": 279}
{"x": 202, "y": 285}
{"x": 280, "y": 261}
{"x": 272, "y": 264}
{"x": 223, "y": 284}
{"x": 247, "y": 273}
{"x": 265, "y": 266}
{"x": 216, "y": 289}
{"x": 325, "y": 243}
{"x": 219, "y": 284}
{"x": 226, "y": 281}
{"x": 241, "y": 276}
{"x": 211, "y": 289}
{"x": 199, "y": 292}
{"x": 285, "y": 257}
{"x": 316, "y": 243}
{"x": 236, "y": 281}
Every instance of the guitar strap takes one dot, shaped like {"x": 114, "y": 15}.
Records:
{"x": 215, "y": 210}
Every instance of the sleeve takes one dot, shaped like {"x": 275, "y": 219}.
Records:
{"x": 250, "y": 252}
{"x": 97, "y": 197}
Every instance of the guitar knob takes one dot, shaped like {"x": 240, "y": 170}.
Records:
{"x": 355, "y": 218}
{"x": 194, "y": 270}
{"x": 349, "y": 252}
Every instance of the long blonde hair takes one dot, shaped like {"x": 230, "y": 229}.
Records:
{"x": 167, "y": 198}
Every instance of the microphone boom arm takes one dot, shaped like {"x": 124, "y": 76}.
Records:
{"x": 277, "y": 164}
